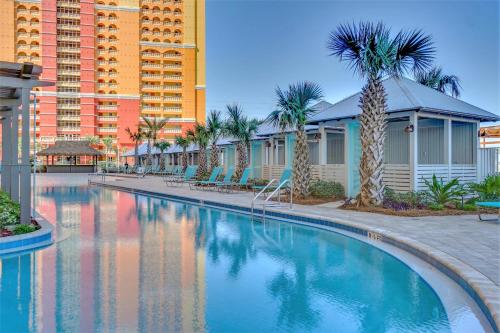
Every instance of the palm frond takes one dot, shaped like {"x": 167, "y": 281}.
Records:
{"x": 414, "y": 50}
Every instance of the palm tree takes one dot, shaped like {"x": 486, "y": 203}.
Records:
{"x": 242, "y": 129}
{"x": 436, "y": 79}
{"x": 199, "y": 135}
{"x": 136, "y": 137}
{"x": 162, "y": 146}
{"x": 373, "y": 53}
{"x": 93, "y": 140}
{"x": 152, "y": 126}
{"x": 108, "y": 145}
{"x": 294, "y": 108}
{"x": 215, "y": 127}
{"x": 183, "y": 142}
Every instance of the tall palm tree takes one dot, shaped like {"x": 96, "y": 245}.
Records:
{"x": 162, "y": 146}
{"x": 294, "y": 107}
{"x": 215, "y": 127}
{"x": 183, "y": 142}
{"x": 152, "y": 126}
{"x": 242, "y": 129}
{"x": 199, "y": 135}
{"x": 436, "y": 79}
{"x": 373, "y": 52}
{"x": 136, "y": 137}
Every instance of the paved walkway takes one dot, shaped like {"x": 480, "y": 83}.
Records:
{"x": 476, "y": 244}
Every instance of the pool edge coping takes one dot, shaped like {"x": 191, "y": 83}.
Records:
{"x": 29, "y": 241}
{"x": 480, "y": 288}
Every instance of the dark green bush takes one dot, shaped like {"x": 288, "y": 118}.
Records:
{"x": 404, "y": 200}
{"x": 326, "y": 189}
{"x": 469, "y": 207}
{"x": 435, "y": 206}
{"x": 442, "y": 193}
{"x": 23, "y": 229}
{"x": 259, "y": 182}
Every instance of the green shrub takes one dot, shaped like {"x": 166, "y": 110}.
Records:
{"x": 23, "y": 229}
{"x": 326, "y": 189}
{"x": 469, "y": 207}
{"x": 258, "y": 182}
{"x": 441, "y": 193}
{"x": 488, "y": 189}
{"x": 404, "y": 200}
{"x": 436, "y": 206}
{"x": 10, "y": 211}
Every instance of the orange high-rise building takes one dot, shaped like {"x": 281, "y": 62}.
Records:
{"x": 113, "y": 61}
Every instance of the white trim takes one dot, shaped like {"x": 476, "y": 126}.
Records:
{"x": 89, "y": 95}
{"x": 200, "y": 87}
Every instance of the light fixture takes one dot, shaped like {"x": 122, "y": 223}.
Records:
{"x": 409, "y": 129}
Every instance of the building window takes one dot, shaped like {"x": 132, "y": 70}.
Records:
{"x": 335, "y": 148}
{"x": 430, "y": 141}
{"x": 463, "y": 143}
{"x": 397, "y": 143}
{"x": 280, "y": 152}
{"x": 313, "y": 144}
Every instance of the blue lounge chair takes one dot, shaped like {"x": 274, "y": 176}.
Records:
{"x": 243, "y": 182}
{"x": 285, "y": 176}
{"x": 187, "y": 176}
{"x": 226, "y": 180}
{"x": 489, "y": 204}
{"x": 211, "y": 180}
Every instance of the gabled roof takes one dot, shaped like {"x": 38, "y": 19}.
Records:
{"x": 404, "y": 95}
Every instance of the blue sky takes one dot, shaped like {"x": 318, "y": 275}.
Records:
{"x": 253, "y": 46}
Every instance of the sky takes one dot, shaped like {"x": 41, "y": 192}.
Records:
{"x": 254, "y": 46}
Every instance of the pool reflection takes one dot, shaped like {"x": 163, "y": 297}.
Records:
{"x": 126, "y": 262}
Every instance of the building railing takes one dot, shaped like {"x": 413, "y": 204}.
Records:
{"x": 107, "y": 118}
{"x": 107, "y": 129}
{"x": 107, "y": 107}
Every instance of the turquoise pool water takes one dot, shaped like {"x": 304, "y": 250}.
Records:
{"x": 125, "y": 262}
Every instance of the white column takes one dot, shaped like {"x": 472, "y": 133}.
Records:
{"x": 14, "y": 170}
{"x": 25, "y": 197}
{"x": 323, "y": 158}
{"x": 6, "y": 151}
{"x": 414, "y": 152}
{"x": 447, "y": 146}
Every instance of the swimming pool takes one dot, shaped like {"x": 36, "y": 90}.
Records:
{"x": 129, "y": 262}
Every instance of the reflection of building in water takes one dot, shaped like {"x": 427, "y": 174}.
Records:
{"x": 121, "y": 262}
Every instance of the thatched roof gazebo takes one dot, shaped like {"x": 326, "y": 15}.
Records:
{"x": 71, "y": 150}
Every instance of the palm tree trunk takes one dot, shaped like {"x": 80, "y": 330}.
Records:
{"x": 242, "y": 159}
{"x": 301, "y": 165}
{"x": 202, "y": 163}
{"x": 214, "y": 157}
{"x": 373, "y": 121}
{"x": 184, "y": 159}
{"x": 149, "y": 162}
{"x": 136, "y": 153}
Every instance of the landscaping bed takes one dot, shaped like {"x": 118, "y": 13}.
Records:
{"x": 10, "y": 217}
{"x": 417, "y": 212}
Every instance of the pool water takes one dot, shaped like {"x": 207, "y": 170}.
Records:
{"x": 126, "y": 262}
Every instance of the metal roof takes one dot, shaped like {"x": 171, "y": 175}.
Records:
{"x": 404, "y": 94}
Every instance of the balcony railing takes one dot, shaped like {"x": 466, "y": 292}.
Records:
{"x": 170, "y": 87}
{"x": 107, "y": 107}
{"x": 68, "y": 49}
{"x": 171, "y": 109}
{"x": 173, "y": 66}
{"x": 107, "y": 129}
{"x": 151, "y": 98}
{"x": 67, "y": 84}
{"x": 63, "y": 38}
{"x": 150, "y": 65}
{"x": 151, "y": 87}
{"x": 68, "y": 117}
{"x": 107, "y": 118}
{"x": 172, "y": 56}
{"x": 68, "y": 61}
{"x": 68, "y": 129}
{"x": 152, "y": 55}
{"x": 172, "y": 99}
{"x": 68, "y": 72}
{"x": 173, "y": 77}
{"x": 66, "y": 106}
{"x": 67, "y": 15}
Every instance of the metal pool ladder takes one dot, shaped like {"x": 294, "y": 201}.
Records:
{"x": 277, "y": 190}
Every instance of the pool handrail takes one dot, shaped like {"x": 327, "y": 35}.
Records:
{"x": 260, "y": 193}
{"x": 278, "y": 190}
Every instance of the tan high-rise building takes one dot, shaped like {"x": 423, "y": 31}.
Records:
{"x": 113, "y": 61}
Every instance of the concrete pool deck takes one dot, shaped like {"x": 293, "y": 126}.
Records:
{"x": 468, "y": 247}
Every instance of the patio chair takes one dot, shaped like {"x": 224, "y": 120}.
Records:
{"x": 187, "y": 176}
{"x": 226, "y": 180}
{"x": 212, "y": 179}
{"x": 285, "y": 176}
{"x": 489, "y": 204}
{"x": 243, "y": 182}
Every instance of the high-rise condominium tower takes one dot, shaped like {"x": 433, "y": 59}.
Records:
{"x": 113, "y": 61}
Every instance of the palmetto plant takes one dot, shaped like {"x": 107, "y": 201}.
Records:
{"x": 199, "y": 135}
{"x": 441, "y": 193}
{"x": 152, "y": 126}
{"x": 294, "y": 107}
{"x": 373, "y": 52}
{"x": 488, "y": 189}
{"x": 184, "y": 143}
{"x": 215, "y": 128}
{"x": 243, "y": 129}
{"x": 162, "y": 146}
{"x": 136, "y": 137}
{"x": 436, "y": 79}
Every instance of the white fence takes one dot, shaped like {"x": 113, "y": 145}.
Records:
{"x": 488, "y": 162}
